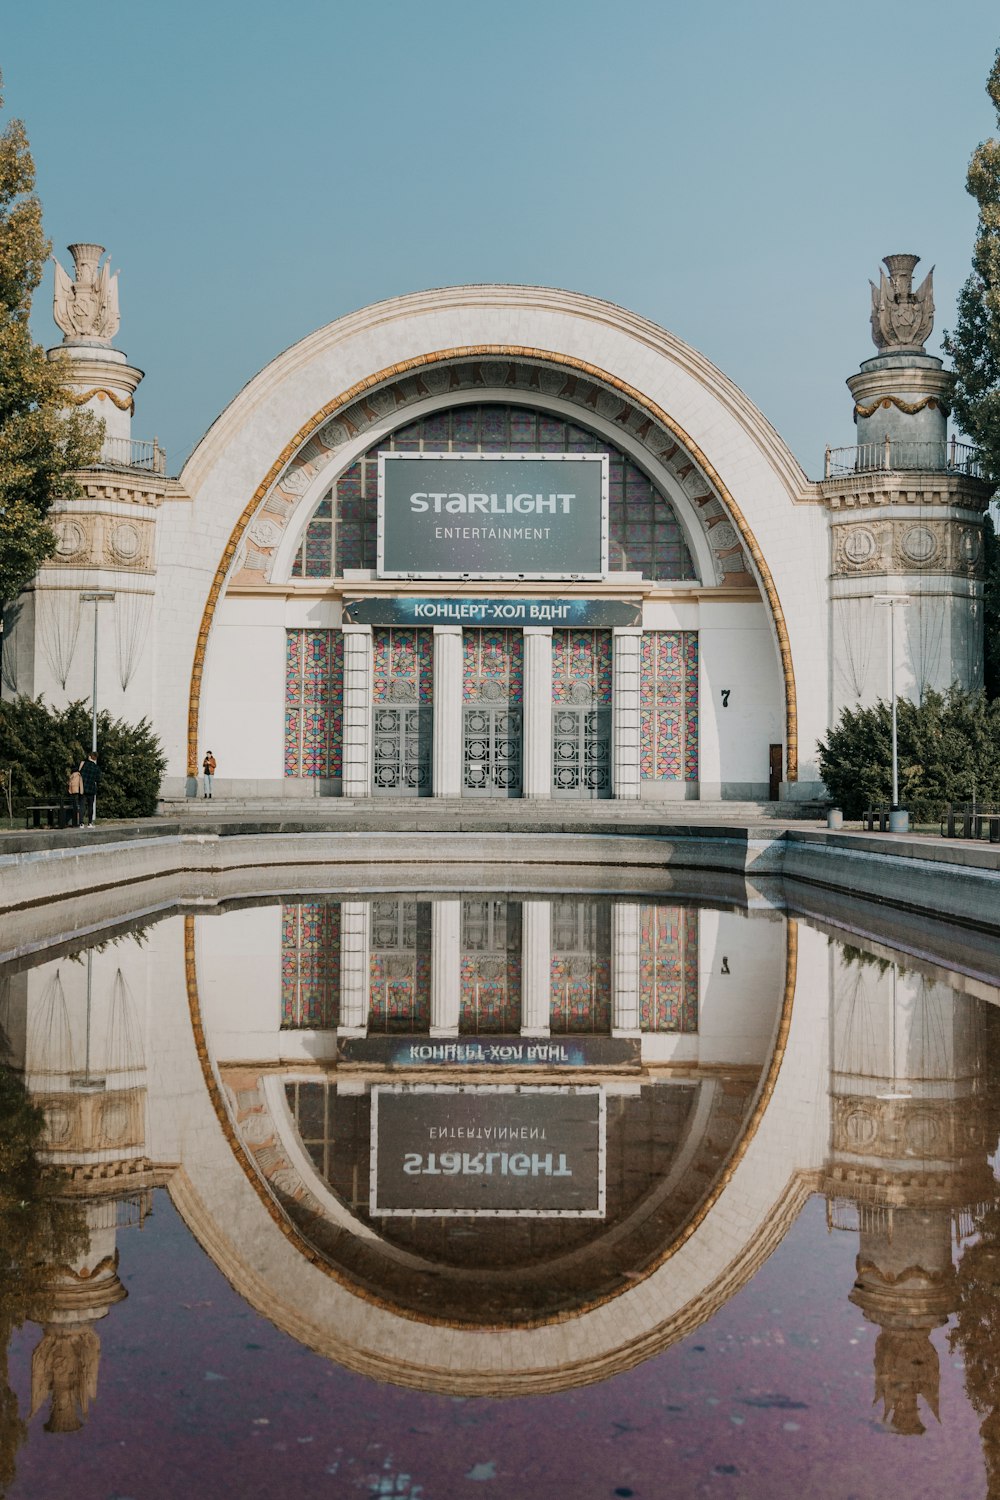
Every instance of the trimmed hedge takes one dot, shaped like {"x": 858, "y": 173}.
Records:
{"x": 39, "y": 744}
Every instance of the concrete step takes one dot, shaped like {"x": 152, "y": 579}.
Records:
{"x": 485, "y": 810}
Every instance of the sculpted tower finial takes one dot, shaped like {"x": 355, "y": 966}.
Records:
{"x": 86, "y": 307}
{"x": 901, "y": 317}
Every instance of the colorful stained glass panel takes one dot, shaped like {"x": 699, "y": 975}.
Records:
{"x": 668, "y": 715}
{"x": 314, "y": 703}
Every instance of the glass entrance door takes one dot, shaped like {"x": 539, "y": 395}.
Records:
{"x": 581, "y": 713}
{"x": 402, "y": 713}
{"x": 492, "y": 717}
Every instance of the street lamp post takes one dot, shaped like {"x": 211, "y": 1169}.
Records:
{"x": 899, "y": 820}
{"x": 97, "y": 598}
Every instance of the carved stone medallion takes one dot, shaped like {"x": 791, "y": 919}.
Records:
{"x": 71, "y": 539}
{"x": 920, "y": 544}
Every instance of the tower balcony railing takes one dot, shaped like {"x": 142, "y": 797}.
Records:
{"x": 947, "y": 456}
{"x": 132, "y": 453}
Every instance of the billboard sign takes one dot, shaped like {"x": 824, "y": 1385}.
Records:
{"x": 493, "y": 515}
{"x": 488, "y": 1149}
{"x": 406, "y": 609}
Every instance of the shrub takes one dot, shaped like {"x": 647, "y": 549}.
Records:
{"x": 38, "y": 744}
{"x": 948, "y": 751}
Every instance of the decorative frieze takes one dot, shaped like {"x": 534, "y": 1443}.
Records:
{"x": 909, "y": 545}
{"x": 87, "y": 539}
{"x": 928, "y": 1133}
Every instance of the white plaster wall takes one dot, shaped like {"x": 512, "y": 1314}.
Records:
{"x": 738, "y": 1009}
{"x": 735, "y": 652}
{"x": 239, "y": 450}
{"x": 244, "y": 691}
{"x": 57, "y": 594}
{"x": 938, "y": 638}
{"x": 239, "y": 976}
{"x": 57, "y": 1041}
{"x": 179, "y": 1112}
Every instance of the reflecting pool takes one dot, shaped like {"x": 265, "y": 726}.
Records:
{"x": 509, "y": 1192}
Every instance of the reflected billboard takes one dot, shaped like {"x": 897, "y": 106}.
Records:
{"x": 493, "y": 515}
{"x": 502, "y": 1150}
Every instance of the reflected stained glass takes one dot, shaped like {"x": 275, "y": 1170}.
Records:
{"x": 310, "y": 965}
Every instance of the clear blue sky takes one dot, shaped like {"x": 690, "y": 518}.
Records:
{"x": 733, "y": 170}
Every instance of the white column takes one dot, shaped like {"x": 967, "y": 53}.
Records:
{"x": 447, "y": 768}
{"x": 446, "y": 963}
{"x": 625, "y": 712}
{"x": 358, "y": 666}
{"x": 538, "y": 713}
{"x": 536, "y": 967}
{"x": 355, "y": 924}
{"x": 625, "y": 968}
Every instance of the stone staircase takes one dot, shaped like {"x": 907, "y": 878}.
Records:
{"x": 471, "y": 812}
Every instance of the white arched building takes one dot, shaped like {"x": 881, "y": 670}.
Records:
{"x": 686, "y": 627}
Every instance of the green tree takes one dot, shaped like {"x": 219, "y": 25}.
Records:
{"x": 948, "y": 751}
{"x": 38, "y": 744}
{"x": 39, "y": 442}
{"x": 991, "y": 608}
{"x": 975, "y": 344}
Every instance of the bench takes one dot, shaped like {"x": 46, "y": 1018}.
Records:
{"x": 56, "y": 814}
{"x": 876, "y": 816}
{"x": 970, "y": 822}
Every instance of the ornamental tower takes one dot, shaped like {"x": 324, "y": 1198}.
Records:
{"x": 84, "y": 629}
{"x": 905, "y": 511}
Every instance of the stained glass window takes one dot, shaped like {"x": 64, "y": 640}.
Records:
{"x": 314, "y": 703}
{"x": 668, "y": 715}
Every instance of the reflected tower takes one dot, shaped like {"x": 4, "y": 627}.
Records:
{"x": 77, "y": 1036}
{"x": 911, "y": 1127}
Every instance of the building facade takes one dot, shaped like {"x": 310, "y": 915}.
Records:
{"x": 381, "y": 573}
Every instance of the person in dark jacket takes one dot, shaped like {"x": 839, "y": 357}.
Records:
{"x": 91, "y": 774}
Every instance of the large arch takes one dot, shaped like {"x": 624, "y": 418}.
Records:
{"x": 655, "y": 384}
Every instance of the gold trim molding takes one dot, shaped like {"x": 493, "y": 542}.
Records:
{"x": 494, "y": 351}
{"x": 80, "y": 398}
{"x": 909, "y": 408}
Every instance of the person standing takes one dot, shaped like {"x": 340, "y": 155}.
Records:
{"x": 90, "y": 775}
{"x": 74, "y": 789}
{"x": 208, "y": 771}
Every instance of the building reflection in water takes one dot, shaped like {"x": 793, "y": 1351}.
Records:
{"x": 74, "y": 1041}
{"x": 914, "y": 1120}
{"x": 481, "y": 965}
{"x": 487, "y": 1113}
